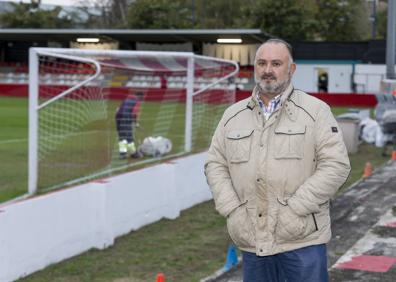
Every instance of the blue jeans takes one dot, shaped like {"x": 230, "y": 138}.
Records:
{"x": 307, "y": 264}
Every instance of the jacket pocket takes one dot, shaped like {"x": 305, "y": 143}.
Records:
{"x": 238, "y": 145}
{"x": 323, "y": 217}
{"x": 240, "y": 228}
{"x": 289, "y": 142}
{"x": 292, "y": 227}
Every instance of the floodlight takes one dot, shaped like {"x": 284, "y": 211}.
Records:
{"x": 229, "y": 40}
{"x": 88, "y": 40}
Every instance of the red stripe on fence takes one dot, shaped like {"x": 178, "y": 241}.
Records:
{"x": 333, "y": 99}
{"x": 152, "y": 94}
{"x": 348, "y": 99}
{"x": 14, "y": 90}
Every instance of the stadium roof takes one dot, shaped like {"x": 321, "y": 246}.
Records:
{"x": 134, "y": 35}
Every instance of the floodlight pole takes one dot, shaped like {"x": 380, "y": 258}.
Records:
{"x": 33, "y": 120}
{"x": 391, "y": 40}
{"x": 373, "y": 20}
{"x": 189, "y": 103}
{"x": 193, "y": 13}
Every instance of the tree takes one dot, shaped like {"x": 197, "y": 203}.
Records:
{"x": 221, "y": 13}
{"x": 105, "y": 13}
{"x": 97, "y": 13}
{"x": 159, "y": 14}
{"x": 119, "y": 11}
{"x": 26, "y": 15}
{"x": 339, "y": 20}
{"x": 291, "y": 20}
{"x": 382, "y": 23}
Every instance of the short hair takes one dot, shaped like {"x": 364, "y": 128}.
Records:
{"x": 278, "y": 41}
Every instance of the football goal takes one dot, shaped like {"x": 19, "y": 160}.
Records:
{"x": 90, "y": 111}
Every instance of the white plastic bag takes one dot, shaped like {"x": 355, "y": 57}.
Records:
{"x": 155, "y": 146}
{"x": 372, "y": 133}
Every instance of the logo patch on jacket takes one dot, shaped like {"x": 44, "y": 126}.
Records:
{"x": 334, "y": 129}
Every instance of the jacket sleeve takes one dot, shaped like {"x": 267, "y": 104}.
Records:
{"x": 332, "y": 168}
{"x": 218, "y": 176}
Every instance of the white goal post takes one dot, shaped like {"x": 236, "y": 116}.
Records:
{"x": 74, "y": 95}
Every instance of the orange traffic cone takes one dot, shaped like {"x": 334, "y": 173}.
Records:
{"x": 368, "y": 170}
{"x": 393, "y": 155}
{"x": 160, "y": 277}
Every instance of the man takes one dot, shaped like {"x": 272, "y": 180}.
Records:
{"x": 323, "y": 82}
{"x": 275, "y": 161}
{"x": 126, "y": 116}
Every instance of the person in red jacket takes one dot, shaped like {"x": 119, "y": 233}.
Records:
{"x": 126, "y": 116}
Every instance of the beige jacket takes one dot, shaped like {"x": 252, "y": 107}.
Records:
{"x": 273, "y": 179}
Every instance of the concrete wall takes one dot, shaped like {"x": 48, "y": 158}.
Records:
{"x": 340, "y": 75}
{"x": 368, "y": 77}
{"x": 47, "y": 229}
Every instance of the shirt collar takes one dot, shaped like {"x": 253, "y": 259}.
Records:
{"x": 254, "y": 101}
{"x": 274, "y": 101}
{"x": 283, "y": 96}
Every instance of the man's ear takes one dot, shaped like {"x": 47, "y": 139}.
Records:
{"x": 293, "y": 68}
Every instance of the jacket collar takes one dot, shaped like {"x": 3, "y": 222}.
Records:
{"x": 289, "y": 105}
{"x": 253, "y": 100}
{"x": 286, "y": 98}
{"x": 286, "y": 95}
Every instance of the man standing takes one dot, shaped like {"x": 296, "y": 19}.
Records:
{"x": 275, "y": 161}
{"x": 126, "y": 116}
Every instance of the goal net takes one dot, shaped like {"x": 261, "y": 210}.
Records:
{"x": 90, "y": 111}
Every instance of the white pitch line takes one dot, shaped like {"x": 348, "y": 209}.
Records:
{"x": 58, "y": 135}
{"x": 13, "y": 141}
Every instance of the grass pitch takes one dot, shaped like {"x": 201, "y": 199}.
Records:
{"x": 78, "y": 139}
{"x": 188, "y": 248}
{"x": 170, "y": 123}
{"x": 13, "y": 147}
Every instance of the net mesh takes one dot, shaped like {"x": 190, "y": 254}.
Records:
{"x": 79, "y": 130}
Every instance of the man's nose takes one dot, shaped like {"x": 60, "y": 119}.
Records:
{"x": 268, "y": 69}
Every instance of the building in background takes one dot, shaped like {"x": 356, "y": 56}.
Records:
{"x": 349, "y": 67}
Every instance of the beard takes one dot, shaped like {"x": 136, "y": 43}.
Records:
{"x": 268, "y": 84}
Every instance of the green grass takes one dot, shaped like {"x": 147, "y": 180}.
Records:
{"x": 75, "y": 143}
{"x": 61, "y": 167}
{"x": 88, "y": 143}
{"x": 188, "y": 248}
{"x": 13, "y": 147}
{"x": 366, "y": 153}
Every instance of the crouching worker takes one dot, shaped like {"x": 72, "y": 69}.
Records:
{"x": 126, "y": 118}
{"x": 275, "y": 161}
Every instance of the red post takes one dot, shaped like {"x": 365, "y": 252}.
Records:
{"x": 160, "y": 277}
